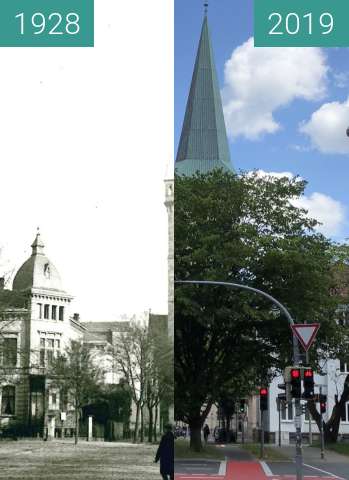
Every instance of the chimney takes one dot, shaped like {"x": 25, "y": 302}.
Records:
{"x": 76, "y": 317}
{"x": 2, "y": 283}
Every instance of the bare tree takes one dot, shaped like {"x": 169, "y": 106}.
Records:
{"x": 131, "y": 353}
{"x": 159, "y": 385}
{"x": 77, "y": 375}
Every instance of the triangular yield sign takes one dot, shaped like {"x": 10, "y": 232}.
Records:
{"x": 305, "y": 332}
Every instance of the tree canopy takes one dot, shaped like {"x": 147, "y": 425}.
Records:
{"x": 245, "y": 229}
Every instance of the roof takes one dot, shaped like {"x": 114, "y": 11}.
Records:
{"x": 38, "y": 271}
{"x": 97, "y": 332}
{"x": 203, "y": 145}
{"x": 100, "y": 327}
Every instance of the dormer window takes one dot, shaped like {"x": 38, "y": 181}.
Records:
{"x": 47, "y": 270}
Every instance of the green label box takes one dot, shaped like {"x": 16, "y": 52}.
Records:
{"x": 301, "y": 23}
{"x": 46, "y": 23}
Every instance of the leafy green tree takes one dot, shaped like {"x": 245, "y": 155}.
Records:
{"x": 77, "y": 374}
{"x": 244, "y": 229}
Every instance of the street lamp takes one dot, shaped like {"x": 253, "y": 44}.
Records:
{"x": 296, "y": 355}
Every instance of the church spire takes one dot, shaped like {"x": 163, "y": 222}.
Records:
{"x": 38, "y": 244}
{"x": 203, "y": 145}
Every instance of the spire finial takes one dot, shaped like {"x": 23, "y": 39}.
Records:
{"x": 205, "y": 8}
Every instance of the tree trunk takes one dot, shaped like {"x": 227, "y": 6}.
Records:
{"x": 142, "y": 423}
{"x": 331, "y": 428}
{"x": 150, "y": 428}
{"x": 76, "y": 425}
{"x": 155, "y": 423}
{"x": 135, "y": 433}
{"x": 195, "y": 434}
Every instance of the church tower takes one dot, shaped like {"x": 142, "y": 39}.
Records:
{"x": 203, "y": 144}
{"x": 169, "y": 203}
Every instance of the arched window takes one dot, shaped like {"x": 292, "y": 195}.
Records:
{"x": 8, "y": 400}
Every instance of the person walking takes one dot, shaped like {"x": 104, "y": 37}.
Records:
{"x": 206, "y": 432}
{"x": 165, "y": 454}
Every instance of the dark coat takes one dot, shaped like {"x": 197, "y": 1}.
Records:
{"x": 165, "y": 454}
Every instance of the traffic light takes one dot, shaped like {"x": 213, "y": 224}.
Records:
{"x": 308, "y": 381}
{"x": 263, "y": 398}
{"x": 296, "y": 383}
{"x": 323, "y": 400}
{"x": 242, "y": 406}
{"x": 286, "y": 387}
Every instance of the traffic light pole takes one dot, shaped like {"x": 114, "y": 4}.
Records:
{"x": 322, "y": 429}
{"x": 296, "y": 357}
{"x": 262, "y": 433}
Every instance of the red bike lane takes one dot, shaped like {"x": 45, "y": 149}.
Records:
{"x": 245, "y": 471}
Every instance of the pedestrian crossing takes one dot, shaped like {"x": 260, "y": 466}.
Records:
{"x": 249, "y": 471}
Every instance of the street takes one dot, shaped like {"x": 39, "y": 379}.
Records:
{"x": 240, "y": 465}
{"x": 260, "y": 471}
{"x": 62, "y": 460}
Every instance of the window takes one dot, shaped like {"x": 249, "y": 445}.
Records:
{"x": 8, "y": 400}
{"x": 345, "y": 413}
{"x": 49, "y": 348}
{"x": 61, "y": 313}
{"x": 42, "y": 357}
{"x": 9, "y": 352}
{"x": 54, "y": 312}
{"x": 53, "y": 401}
{"x": 49, "y": 357}
{"x": 46, "y": 311}
{"x": 343, "y": 315}
{"x": 40, "y": 310}
{"x": 287, "y": 412}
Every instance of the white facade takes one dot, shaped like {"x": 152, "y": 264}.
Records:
{"x": 331, "y": 383}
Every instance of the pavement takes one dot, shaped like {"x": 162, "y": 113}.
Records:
{"x": 240, "y": 465}
{"x": 62, "y": 460}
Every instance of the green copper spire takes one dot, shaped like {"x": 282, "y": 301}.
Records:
{"x": 203, "y": 145}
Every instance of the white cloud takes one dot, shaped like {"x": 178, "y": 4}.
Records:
{"x": 327, "y": 126}
{"x": 341, "y": 79}
{"x": 263, "y": 173}
{"x": 258, "y": 81}
{"x": 329, "y": 212}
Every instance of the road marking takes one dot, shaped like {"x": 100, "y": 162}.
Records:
{"x": 223, "y": 468}
{"x": 324, "y": 471}
{"x": 266, "y": 469}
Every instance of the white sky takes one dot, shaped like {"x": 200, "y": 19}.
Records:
{"x": 85, "y": 136}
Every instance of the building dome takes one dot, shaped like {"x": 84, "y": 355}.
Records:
{"x": 38, "y": 271}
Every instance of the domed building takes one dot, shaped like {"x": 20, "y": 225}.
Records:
{"x": 35, "y": 334}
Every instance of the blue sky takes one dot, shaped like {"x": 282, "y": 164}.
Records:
{"x": 283, "y": 90}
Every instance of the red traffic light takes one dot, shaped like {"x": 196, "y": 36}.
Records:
{"x": 308, "y": 373}
{"x": 263, "y": 392}
{"x": 295, "y": 373}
